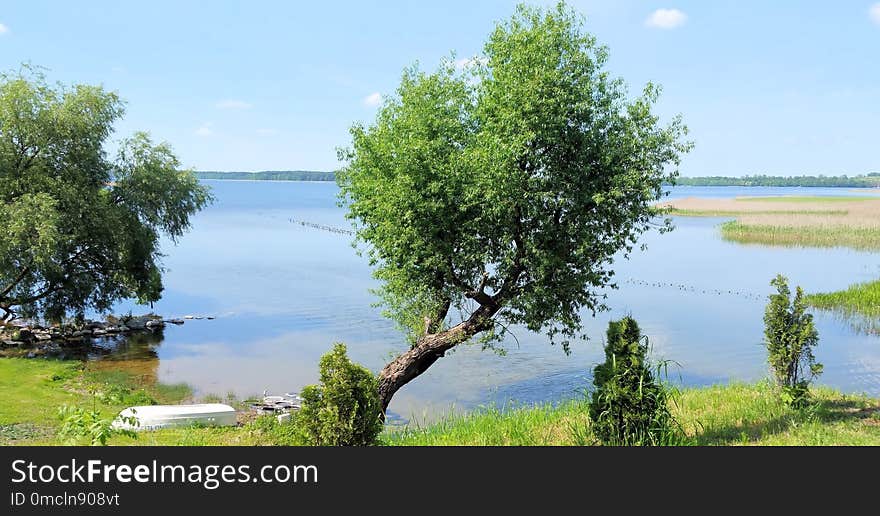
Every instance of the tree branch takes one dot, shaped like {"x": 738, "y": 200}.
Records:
{"x": 24, "y": 272}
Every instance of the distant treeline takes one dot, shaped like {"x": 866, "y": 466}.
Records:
{"x": 870, "y": 180}
{"x": 271, "y": 175}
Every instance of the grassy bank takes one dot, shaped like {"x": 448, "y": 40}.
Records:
{"x": 721, "y": 415}
{"x": 34, "y": 389}
{"x": 737, "y": 414}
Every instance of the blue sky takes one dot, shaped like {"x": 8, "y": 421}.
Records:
{"x": 782, "y": 87}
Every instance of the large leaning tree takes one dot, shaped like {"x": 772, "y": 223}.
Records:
{"x": 79, "y": 230}
{"x": 498, "y": 192}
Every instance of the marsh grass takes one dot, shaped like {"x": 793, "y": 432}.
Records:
{"x": 736, "y": 213}
{"x": 858, "y": 300}
{"x": 861, "y": 238}
{"x": 852, "y": 222}
{"x": 809, "y": 199}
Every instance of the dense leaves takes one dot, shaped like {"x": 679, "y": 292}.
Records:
{"x": 629, "y": 406}
{"x": 78, "y": 230}
{"x": 790, "y": 336}
{"x": 511, "y": 182}
{"x": 344, "y": 409}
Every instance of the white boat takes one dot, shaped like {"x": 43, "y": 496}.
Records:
{"x": 152, "y": 417}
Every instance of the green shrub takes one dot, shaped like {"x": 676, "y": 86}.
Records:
{"x": 790, "y": 336}
{"x": 77, "y": 422}
{"x": 629, "y": 406}
{"x": 344, "y": 409}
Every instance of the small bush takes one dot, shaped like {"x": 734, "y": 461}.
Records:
{"x": 629, "y": 407}
{"x": 344, "y": 409}
{"x": 77, "y": 422}
{"x": 790, "y": 336}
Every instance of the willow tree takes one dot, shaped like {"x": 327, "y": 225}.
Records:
{"x": 79, "y": 230}
{"x": 499, "y": 192}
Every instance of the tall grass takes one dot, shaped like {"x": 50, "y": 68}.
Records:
{"x": 721, "y": 415}
{"x": 679, "y": 212}
{"x": 862, "y": 299}
{"x": 862, "y": 238}
{"x": 809, "y": 199}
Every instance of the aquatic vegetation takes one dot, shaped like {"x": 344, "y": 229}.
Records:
{"x": 867, "y": 239}
{"x": 833, "y": 221}
{"x": 862, "y": 299}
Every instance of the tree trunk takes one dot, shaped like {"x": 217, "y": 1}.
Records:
{"x": 428, "y": 350}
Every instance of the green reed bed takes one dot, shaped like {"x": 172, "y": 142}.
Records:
{"x": 867, "y": 239}
{"x": 862, "y": 299}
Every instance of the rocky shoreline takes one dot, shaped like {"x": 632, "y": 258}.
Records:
{"x": 20, "y": 333}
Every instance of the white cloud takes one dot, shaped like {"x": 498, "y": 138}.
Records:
{"x": 3, "y": 29}
{"x": 205, "y": 129}
{"x": 666, "y": 19}
{"x": 373, "y": 100}
{"x": 873, "y": 13}
{"x": 233, "y": 104}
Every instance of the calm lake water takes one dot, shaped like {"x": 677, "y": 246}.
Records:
{"x": 282, "y": 294}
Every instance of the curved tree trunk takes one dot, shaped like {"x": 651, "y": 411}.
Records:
{"x": 429, "y": 348}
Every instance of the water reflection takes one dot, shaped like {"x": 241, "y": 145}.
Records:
{"x": 284, "y": 293}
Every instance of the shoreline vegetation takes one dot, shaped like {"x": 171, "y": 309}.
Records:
{"x": 861, "y": 300}
{"x": 796, "y": 221}
{"x": 863, "y": 181}
{"x": 734, "y": 414}
{"x": 871, "y": 180}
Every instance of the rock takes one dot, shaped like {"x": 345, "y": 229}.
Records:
{"x": 99, "y": 332}
{"x": 111, "y": 329}
{"x": 176, "y": 321}
{"x": 210, "y": 318}
{"x": 23, "y": 335}
{"x": 42, "y": 336}
{"x": 188, "y": 317}
{"x": 9, "y": 343}
{"x": 81, "y": 334}
{"x": 124, "y": 329}
{"x": 283, "y": 418}
{"x": 137, "y": 323}
{"x": 97, "y": 326}
{"x": 155, "y": 324}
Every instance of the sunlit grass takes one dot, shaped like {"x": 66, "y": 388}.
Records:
{"x": 732, "y": 414}
{"x": 862, "y": 299}
{"x": 808, "y": 199}
{"x": 733, "y": 213}
{"x": 735, "y": 414}
{"x": 862, "y": 238}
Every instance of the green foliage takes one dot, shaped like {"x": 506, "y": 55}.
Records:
{"x": 79, "y": 230}
{"x": 629, "y": 406}
{"x": 868, "y": 181}
{"x": 512, "y": 182}
{"x": 344, "y": 409}
{"x": 790, "y": 336}
{"x": 861, "y": 299}
{"x": 78, "y": 423}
